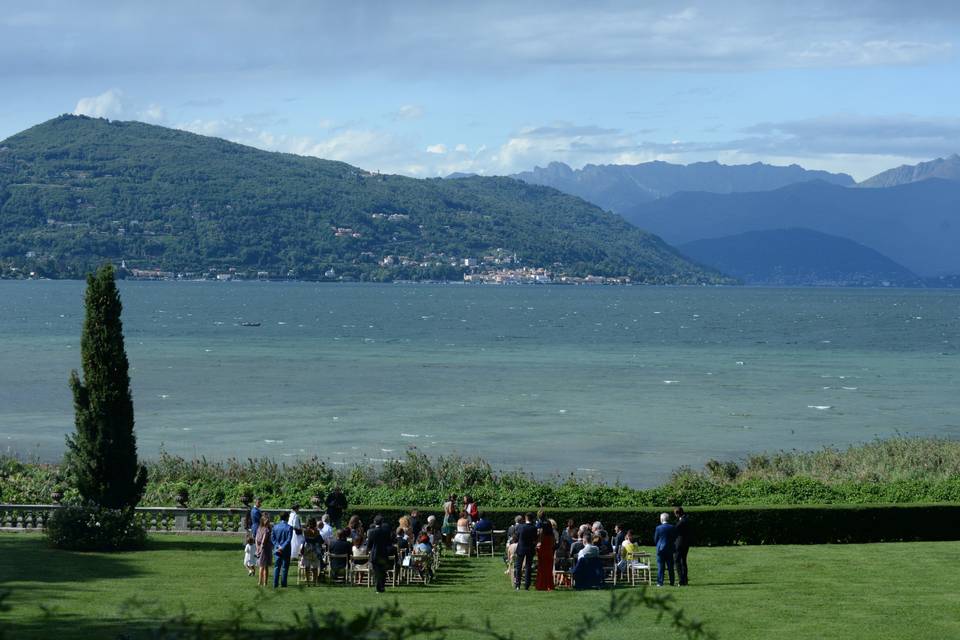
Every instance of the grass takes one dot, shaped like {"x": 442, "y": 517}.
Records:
{"x": 837, "y": 591}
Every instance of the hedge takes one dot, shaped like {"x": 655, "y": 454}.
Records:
{"x": 736, "y": 525}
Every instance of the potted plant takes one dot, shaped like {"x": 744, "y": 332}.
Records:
{"x": 317, "y": 498}
{"x": 246, "y": 495}
{"x": 56, "y": 495}
{"x": 182, "y": 494}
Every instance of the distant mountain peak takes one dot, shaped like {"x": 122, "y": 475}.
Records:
{"x": 945, "y": 168}
{"x": 619, "y": 187}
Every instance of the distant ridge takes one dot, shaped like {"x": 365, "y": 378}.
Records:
{"x": 75, "y": 191}
{"x": 619, "y": 187}
{"x": 944, "y": 168}
{"x": 798, "y": 257}
{"x": 915, "y": 224}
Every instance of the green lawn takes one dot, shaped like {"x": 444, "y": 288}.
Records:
{"x": 908, "y": 590}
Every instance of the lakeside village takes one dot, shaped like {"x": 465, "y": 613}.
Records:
{"x": 501, "y": 266}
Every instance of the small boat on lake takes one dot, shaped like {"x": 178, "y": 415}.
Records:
{"x": 249, "y": 324}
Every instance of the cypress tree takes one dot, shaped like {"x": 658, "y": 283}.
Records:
{"x": 102, "y": 453}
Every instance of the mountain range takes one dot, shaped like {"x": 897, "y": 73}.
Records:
{"x": 944, "y": 168}
{"x": 620, "y": 187}
{"x": 798, "y": 257}
{"x": 75, "y": 191}
{"x": 915, "y": 224}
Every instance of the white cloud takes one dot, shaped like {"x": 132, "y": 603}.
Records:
{"x": 461, "y": 148}
{"x": 409, "y": 112}
{"x": 109, "y": 104}
{"x": 154, "y": 113}
{"x": 437, "y": 148}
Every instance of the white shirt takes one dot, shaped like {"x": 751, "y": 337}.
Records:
{"x": 327, "y": 533}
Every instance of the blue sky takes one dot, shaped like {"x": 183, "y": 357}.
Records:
{"x": 427, "y": 88}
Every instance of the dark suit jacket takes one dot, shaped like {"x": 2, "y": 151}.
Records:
{"x": 483, "y": 525}
{"x": 684, "y": 533}
{"x": 664, "y": 536}
{"x": 379, "y": 543}
{"x": 527, "y": 538}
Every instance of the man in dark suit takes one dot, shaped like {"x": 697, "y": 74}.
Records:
{"x": 282, "y": 538}
{"x": 336, "y": 504}
{"x": 379, "y": 546}
{"x": 664, "y": 537}
{"x": 526, "y": 551}
{"x": 682, "y": 543}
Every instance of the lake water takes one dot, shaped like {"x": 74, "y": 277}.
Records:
{"x": 622, "y": 383}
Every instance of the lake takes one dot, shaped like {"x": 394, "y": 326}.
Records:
{"x": 622, "y": 383}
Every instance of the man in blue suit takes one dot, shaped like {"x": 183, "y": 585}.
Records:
{"x": 282, "y": 537}
{"x": 663, "y": 538}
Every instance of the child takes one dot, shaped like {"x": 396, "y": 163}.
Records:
{"x": 250, "y": 556}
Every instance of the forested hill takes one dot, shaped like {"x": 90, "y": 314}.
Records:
{"x": 75, "y": 191}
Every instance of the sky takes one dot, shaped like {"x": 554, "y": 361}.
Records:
{"x": 429, "y": 88}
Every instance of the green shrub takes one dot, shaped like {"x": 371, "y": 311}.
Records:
{"x": 724, "y": 526}
{"x": 94, "y": 529}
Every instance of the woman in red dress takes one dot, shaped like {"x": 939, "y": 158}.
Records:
{"x": 545, "y": 551}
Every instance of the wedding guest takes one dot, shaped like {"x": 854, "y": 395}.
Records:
{"x": 281, "y": 537}
{"x": 336, "y": 504}
{"x": 664, "y": 537}
{"x": 250, "y": 555}
{"x": 545, "y": 553}
{"x": 682, "y": 544}
{"x": 264, "y": 549}
{"x": 526, "y": 550}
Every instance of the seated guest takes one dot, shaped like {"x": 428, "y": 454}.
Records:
{"x": 356, "y": 527}
{"x": 415, "y": 524}
{"x": 340, "y": 547}
{"x": 604, "y": 545}
{"x": 422, "y": 553}
{"x": 431, "y": 529}
{"x": 570, "y": 533}
{"x": 618, "y": 536}
{"x": 589, "y": 549}
{"x": 578, "y": 543}
{"x": 597, "y": 526}
{"x": 406, "y": 526}
{"x": 402, "y": 543}
{"x": 483, "y": 524}
{"x": 513, "y": 528}
{"x": 627, "y": 550}
{"x": 327, "y": 532}
{"x": 359, "y": 546}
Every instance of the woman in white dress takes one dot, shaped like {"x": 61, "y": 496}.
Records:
{"x": 297, "y": 540}
{"x": 464, "y": 535}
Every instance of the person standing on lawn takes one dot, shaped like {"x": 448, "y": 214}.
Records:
{"x": 664, "y": 537}
{"x": 282, "y": 538}
{"x": 682, "y": 544}
{"x": 379, "y": 545}
{"x": 255, "y": 518}
{"x": 526, "y": 550}
{"x": 336, "y": 504}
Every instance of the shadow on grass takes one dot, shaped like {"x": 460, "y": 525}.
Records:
{"x": 177, "y": 543}
{"x": 31, "y": 560}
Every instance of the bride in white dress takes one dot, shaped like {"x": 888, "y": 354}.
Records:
{"x": 464, "y": 536}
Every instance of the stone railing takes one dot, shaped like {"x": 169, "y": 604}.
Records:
{"x": 33, "y": 517}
